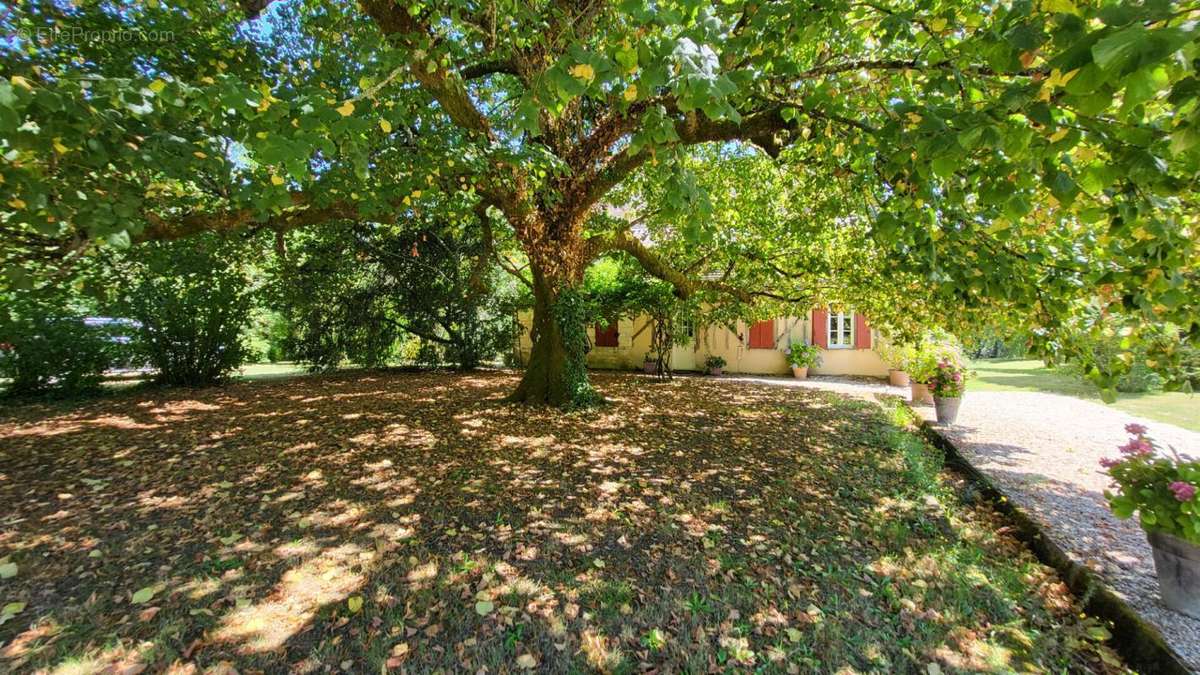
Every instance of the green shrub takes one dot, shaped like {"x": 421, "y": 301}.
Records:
{"x": 356, "y": 295}
{"x": 192, "y": 301}
{"x": 801, "y": 355}
{"x": 895, "y": 354}
{"x": 996, "y": 343}
{"x": 937, "y": 346}
{"x": 267, "y": 336}
{"x": 1107, "y": 354}
{"x": 46, "y": 349}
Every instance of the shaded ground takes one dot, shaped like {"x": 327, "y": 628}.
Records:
{"x": 1178, "y": 408}
{"x": 413, "y": 522}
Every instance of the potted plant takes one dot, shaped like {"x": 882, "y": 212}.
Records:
{"x": 650, "y": 364}
{"x": 946, "y": 385}
{"x": 920, "y": 364}
{"x": 1161, "y": 489}
{"x": 713, "y": 365}
{"x": 802, "y": 356}
{"x": 895, "y": 356}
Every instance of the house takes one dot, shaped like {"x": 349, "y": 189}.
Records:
{"x": 844, "y": 338}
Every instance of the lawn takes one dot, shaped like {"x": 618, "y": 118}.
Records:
{"x": 413, "y": 522}
{"x": 1176, "y": 408}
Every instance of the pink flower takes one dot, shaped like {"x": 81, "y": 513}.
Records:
{"x": 1109, "y": 463}
{"x": 1137, "y": 446}
{"x": 1135, "y": 429}
{"x": 1183, "y": 491}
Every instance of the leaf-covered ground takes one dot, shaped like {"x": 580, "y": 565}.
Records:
{"x": 413, "y": 522}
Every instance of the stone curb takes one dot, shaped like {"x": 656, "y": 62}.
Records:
{"x": 1134, "y": 638}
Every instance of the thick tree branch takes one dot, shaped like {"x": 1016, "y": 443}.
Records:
{"x": 911, "y": 64}
{"x": 685, "y": 286}
{"x": 449, "y": 89}
{"x": 446, "y": 86}
{"x": 486, "y": 68}
{"x": 300, "y": 214}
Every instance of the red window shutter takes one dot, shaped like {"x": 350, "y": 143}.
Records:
{"x": 762, "y": 335}
{"x": 862, "y": 332}
{"x": 606, "y": 336}
{"x": 820, "y": 328}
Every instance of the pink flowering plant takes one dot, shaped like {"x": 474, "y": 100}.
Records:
{"x": 949, "y": 380}
{"x": 1159, "y": 486}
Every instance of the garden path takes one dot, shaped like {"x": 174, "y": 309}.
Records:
{"x": 1043, "y": 451}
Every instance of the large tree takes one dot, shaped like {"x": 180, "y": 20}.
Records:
{"x": 1036, "y": 157}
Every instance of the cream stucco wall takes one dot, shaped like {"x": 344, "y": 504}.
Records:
{"x": 633, "y": 337}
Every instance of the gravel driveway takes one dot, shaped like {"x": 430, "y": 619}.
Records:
{"x": 1044, "y": 451}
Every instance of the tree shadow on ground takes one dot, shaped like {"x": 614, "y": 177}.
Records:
{"x": 415, "y": 521}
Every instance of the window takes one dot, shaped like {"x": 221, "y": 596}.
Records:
{"x": 762, "y": 335}
{"x": 606, "y": 336}
{"x": 841, "y": 330}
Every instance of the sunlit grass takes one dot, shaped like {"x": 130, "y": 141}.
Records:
{"x": 1175, "y": 408}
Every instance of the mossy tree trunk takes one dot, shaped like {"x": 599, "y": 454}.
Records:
{"x": 557, "y": 370}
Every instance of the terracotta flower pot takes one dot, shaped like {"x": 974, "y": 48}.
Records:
{"x": 897, "y": 378}
{"x": 946, "y": 408}
{"x": 650, "y": 367}
{"x": 1178, "y": 565}
{"x": 920, "y": 394}
{"x": 714, "y": 371}
{"x": 800, "y": 373}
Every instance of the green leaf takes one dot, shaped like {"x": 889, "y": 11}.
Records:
{"x": 119, "y": 240}
{"x": 484, "y": 607}
{"x": 8, "y": 570}
{"x": 143, "y": 595}
{"x": 354, "y": 603}
{"x": 10, "y": 610}
{"x": 945, "y": 165}
{"x": 1116, "y": 51}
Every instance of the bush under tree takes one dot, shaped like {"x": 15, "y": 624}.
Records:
{"x": 192, "y": 302}
{"x": 45, "y": 347}
{"x": 353, "y": 294}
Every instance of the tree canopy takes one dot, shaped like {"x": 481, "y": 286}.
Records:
{"x": 1034, "y": 161}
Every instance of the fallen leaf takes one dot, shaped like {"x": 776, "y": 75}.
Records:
{"x": 143, "y": 595}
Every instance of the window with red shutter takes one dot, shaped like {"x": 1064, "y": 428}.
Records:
{"x": 862, "y": 332}
{"x": 606, "y": 336}
{"x": 762, "y": 335}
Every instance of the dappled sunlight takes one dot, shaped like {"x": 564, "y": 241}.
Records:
{"x": 397, "y": 434}
{"x": 173, "y": 411}
{"x": 150, "y": 501}
{"x": 396, "y": 520}
{"x": 329, "y": 577}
